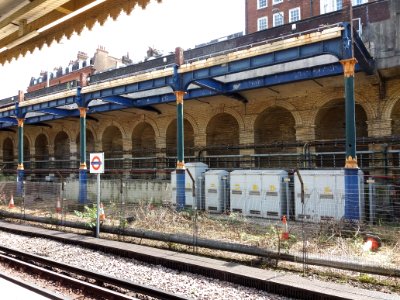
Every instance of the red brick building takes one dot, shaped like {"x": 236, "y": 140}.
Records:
{"x": 78, "y": 71}
{"x": 264, "y": 14}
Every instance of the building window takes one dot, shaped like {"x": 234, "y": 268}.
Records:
{"x": 262, "y": 23}
{"x": 327, "y": 6}
{"x": 261, "y": 4}
{"x": 278, "y": 19}
{"x": 276, "y": 1}
{"x": 358, "y": 2}
{"x": 294, "y": 14}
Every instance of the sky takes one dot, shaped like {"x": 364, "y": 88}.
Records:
{"x": 164, "y": 26}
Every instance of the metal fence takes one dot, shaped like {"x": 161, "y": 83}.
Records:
{"x": 247, "y": 220}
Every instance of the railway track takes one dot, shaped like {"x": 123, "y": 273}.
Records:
{"x": 125, "y": 259}
{"x": 97, "y": 285}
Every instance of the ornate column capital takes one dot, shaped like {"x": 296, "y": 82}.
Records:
{"x": 20, "y": 122}
{"x": 351, "y": 163}
{"x": 348, "y": 66}
{"x": 179, "y": 96}
{"x": 82, "y": 112}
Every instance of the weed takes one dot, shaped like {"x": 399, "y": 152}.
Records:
{"x": 365, "y": 278}
{"x": 89, "y": 215}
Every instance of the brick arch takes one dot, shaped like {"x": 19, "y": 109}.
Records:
{"x": 337, "y": 94}
{"x": 330, "y": 124}
{"x": 222, "y": 131}
{"x": 69, "y": 133}
{"x": 285, "y": 105}
{"x": 171, "y": 137}
{"x": 8, "y": 148}
{"x": 274, "y": 124}
{"x": 391, "y": 111}
{"x": 238, "y": 117}
{"x": 143, "y": 139}
{"x": 151, "y": 122}
{"x": 42, "y": 154}
{"x": 62, "y": 148}
{"x": 193, "y": 122}
{"x": 76, "y": 137}
{"x": 7, "y": 136}
{"x": 90, "y": 145}
{"x": 390, "y": 105}
{"x": 29, "y": 139}
{"x": 34, "y": 136}
{"x": 112, "y": 144}
{"x": 104, "y": 126}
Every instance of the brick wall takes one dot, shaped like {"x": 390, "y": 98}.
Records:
{"x": 308, "y": 9}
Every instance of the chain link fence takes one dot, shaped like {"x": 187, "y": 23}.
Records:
{"x": 256, "y": 209}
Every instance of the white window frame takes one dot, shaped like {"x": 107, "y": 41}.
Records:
{"x": 261, "y": 7}
{"x": 337, "y": 7}
{"x": 258, "y": 23}
{"x": 362, "y": 2}
{"x": 290, "y": 14}
{"x": 278, "y": 14}
{"x": 327, "y": 6}
{"x": 276, "y": 2}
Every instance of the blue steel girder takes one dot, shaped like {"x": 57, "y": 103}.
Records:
{"x": 211, "y": 84}
{"x": 333, "y": 47}
{"x": 239, "y": 86}
{"x": 128, "y": 88}
{"x": 364, "y": 58}
{"x": 220, "y": 88}
{"x": 49, "y": 104}
{"x": 340, "y": 47}
{"x": 9, "y": 120}
{"x": 42, "y": 118}
{"x": 124, "y": 101}
{"x": 117, "y": 103}
{"x": 61, "y": 112}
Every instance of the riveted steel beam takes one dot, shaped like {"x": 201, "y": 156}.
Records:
{"x": 61, "y": 112}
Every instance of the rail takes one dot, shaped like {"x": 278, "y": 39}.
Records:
{"x": 65, "y": 273}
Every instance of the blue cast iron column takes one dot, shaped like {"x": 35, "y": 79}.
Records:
{"x": 20, "y": 167}
{"x": 178, "y": 87}
{"x": 180, "y": 164}
{"x": 82, "y": 167}
{"x": 352, "y": 203}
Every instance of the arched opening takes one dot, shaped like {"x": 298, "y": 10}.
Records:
{"x": 143, "y": 146}
{"x": 394, "y": 156}
{"x": 143, "y": 140}
{"x": 222, "y": 142}
{"x": 171, "y": 142}
{"x": 41, "y": 152}
{"x": 113, "y": 148}
{"x": 396, "y": 119}
{"x": 330, "y": 135}
{"x": 275, "y": 133}
{"x": 62, "y": 151}
{"x": 8, "y": 154}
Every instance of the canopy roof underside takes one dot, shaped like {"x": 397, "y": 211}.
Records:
{"x": 29, "y": 24}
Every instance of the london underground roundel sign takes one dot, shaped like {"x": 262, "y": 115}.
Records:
{"x": 97, "y": 162}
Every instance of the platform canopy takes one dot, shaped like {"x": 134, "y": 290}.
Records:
{"x": 29, "y": 24}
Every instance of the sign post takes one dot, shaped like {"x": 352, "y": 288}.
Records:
{"x": 97, "y": 167}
